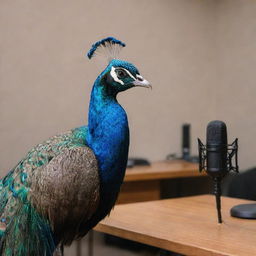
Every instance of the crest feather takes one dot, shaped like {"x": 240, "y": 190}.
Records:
{"x": 109, "y": 47}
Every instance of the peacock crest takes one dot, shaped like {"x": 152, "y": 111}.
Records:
{"x": 108, "y": 47}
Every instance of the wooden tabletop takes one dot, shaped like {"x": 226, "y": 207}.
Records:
{"x": 185, "y": 225}
{"x": 162, "y": 170}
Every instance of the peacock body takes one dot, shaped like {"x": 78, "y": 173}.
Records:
{"x": 64, "y": 186}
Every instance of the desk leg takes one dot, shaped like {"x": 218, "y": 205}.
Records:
{"x": 90, "y": 243}
{"x": 167, "y": 253}
{"x": 62, "y": 249}
{"x": 79, "y": 248}
{"x": 59, "y": 251}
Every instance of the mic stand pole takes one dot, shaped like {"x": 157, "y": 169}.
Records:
{"x": 217, "y": 193}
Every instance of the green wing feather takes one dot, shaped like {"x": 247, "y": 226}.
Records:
{"x": 23, "y": 230}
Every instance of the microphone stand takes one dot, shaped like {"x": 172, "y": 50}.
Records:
{"x": 231, "y": 152}
{"x": 217, "y": 193}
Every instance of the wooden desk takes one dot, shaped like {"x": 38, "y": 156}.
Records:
{"x": 185, "y": 225}
{"x": 168, "y": 169}
{"x": 142, "y": 183}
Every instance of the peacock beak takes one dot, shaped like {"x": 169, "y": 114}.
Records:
{"x": 141, "y": 82}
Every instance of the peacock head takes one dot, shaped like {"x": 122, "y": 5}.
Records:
{"x": 119, "y": 75}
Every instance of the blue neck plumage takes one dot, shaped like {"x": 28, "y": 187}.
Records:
{"x": 108, "y": 134}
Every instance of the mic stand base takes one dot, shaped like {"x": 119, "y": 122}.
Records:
{"x": 244, "y": 211}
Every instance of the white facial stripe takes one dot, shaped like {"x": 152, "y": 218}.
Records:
{"x": 114, "y": 75}
{"x": 128, "y": 72}
{"x": 139, "y": 76}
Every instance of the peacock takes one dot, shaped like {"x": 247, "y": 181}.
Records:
{"x": 64, "y": 186}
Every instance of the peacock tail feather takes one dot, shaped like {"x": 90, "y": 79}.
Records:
{"x": 27, "y": 233}
{"x": 23, "y": 228}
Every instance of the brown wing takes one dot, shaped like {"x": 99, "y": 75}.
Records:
{"x": 66, "y": 191}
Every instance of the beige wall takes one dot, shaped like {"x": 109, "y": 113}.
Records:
{"x": 236, "y": 64}
{"x": 181, "y": 46}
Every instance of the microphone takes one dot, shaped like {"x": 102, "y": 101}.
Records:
{"x": 216, "y": 157}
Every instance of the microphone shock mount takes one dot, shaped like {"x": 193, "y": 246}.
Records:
{"x": 230, "y": 165}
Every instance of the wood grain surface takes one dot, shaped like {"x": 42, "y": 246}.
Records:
{"x": 162, "y": 170}
{"x": 185, "y": 225}
{"x": 139, "y": 191}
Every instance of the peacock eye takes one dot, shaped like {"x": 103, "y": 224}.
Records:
{"x": 120, "y": 73}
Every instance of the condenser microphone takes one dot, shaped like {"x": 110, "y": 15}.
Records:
{"x": 216, "y": 157}
{"x": 216, "y": 147}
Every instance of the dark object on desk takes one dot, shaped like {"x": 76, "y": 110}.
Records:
{"x": 192, "y": 159}
{"x": 243, "y": 186}
{"x": 134, "y": 161}
{"x": 216, "y": 157}
{"x": 244, "y": 211}
{"x": 185, "y": 147}
{"x": 185, "y": 142}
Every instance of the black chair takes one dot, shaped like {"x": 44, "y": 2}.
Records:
{"x": 243, "y": 185}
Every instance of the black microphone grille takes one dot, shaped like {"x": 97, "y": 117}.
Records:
{"x": 216, "y": 133}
